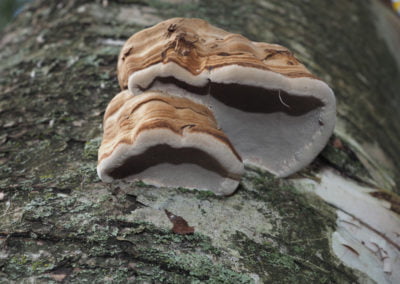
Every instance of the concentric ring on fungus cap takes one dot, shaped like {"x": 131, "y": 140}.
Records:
{"x": 166, "y": 141}
{"x": 275, "y": 112}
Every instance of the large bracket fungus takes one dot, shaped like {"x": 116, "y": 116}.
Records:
{"x": 166, "y": 141}
{"x": 276, "y": 113}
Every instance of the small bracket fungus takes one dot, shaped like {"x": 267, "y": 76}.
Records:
{"x": 276, "y": 113}
{"x": 166, "y": 141}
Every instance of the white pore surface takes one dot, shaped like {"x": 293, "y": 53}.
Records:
{"x": 277, "y": 142}
{"x": 365, "y": 224}
{"x": 182, "y": 175}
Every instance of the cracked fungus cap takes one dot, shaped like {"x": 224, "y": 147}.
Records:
{"x": 275, "y": 112}
{"x": 166, "y": 141}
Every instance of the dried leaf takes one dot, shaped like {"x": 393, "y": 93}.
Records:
{"x": 180, "y": 227}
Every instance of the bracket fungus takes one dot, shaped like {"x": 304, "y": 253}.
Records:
{"x": 166, "y": 141}
{"x": 275, "y": 112}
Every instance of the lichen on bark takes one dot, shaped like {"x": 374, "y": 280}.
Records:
{"x": 59, "y": 221}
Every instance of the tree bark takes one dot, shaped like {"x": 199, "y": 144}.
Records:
{"x": 60, "y": 222}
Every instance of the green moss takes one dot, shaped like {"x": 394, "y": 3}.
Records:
{"x": 91, "y": 148}
{"x": 88, "y": 173}
{"x": 298, "y": 250}
{"x": 287, "y": 266}
{"x": 196, "y": 267}
{"x": 344, "y": 159}
{"x": 200, "y": 194}
{"x": 102, "y": 233}
{"x": 23, "y": 265}
{"x": 19, "y": 260}
{"x": 40, "y": 266}
{"x": 140, "y": 183}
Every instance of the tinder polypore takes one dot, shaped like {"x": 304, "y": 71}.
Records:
{"x": 275, "y": 112}
{"x": 166, "y": 141}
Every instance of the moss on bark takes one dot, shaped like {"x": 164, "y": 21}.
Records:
{"x": 59, "y": 221}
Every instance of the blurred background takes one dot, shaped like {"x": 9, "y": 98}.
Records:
{"x": 11, "y": 8}
{"x": 8, "y": 9}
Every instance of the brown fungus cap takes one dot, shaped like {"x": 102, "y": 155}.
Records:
{"x": 166, "y": 141}
{"x": 198, "y": 48}
{"x": 277, "y": 114}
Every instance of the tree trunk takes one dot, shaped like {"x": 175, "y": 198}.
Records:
{"x": 333, "y": 222}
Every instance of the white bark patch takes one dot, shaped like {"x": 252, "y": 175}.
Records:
{"x": 375, "y": 256}
{"x": 368, "y": 232}
{"x": 218, "y": 220}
